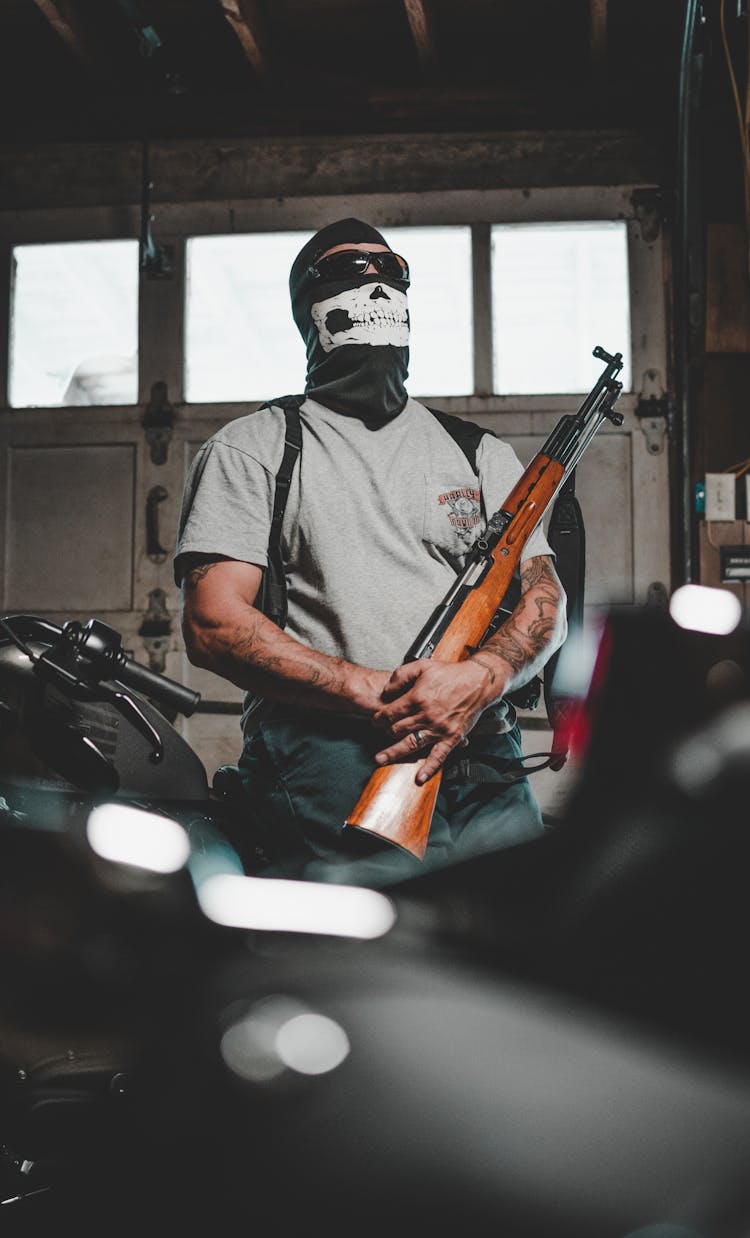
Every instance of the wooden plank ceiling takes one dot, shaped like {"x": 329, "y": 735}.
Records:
{"x": 78, "y": 69}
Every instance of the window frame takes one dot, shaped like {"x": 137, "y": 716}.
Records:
{"x": 161, "y": 301}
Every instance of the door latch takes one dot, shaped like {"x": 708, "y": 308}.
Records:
{"x": 154, "y": 549}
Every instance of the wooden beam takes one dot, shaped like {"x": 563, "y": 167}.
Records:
{"x": 68, "y": 24}
{"x": 237, "y": 169}
{"x": 421, "y": 33}
{"x": 598, "y": 35}
{"x": 245, "y": 19}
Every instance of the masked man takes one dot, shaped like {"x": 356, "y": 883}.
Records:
{"x": 382, "y": 507}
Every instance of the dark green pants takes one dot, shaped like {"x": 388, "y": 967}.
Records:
{"x": 304, "y": 772}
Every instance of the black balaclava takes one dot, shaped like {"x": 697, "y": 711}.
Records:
{"x": 356, "y": 331}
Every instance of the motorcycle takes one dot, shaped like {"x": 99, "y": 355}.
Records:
{"x": 80, "y": 719}
{"x": 548, "y": 1041}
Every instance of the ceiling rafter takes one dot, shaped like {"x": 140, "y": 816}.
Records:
{"x": 246, "y": 20}
{"x": 421, "y": 33}
{"x": 67, "y": 22}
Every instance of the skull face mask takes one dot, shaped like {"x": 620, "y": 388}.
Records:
{"x": 372, "y": 315}
{"x": 356, "y": 331}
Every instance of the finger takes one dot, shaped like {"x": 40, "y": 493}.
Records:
{"x": 434, "y": 761}
{"x": 403, "y": 678}
{"x": 389, "y": 718}
{"x": 411, "y": 746}
{"x": 402, "y": 710}
{"x": 410, "y": 725}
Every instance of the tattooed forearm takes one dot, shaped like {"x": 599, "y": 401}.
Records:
{"x": 287, "y": 669}
{"x": 529, "y": 637}
{"x": 273, "y": 658}
{"x": 225, "y": 633}
{"x": 480, "y": 661}
{"x": 539, "y": 571}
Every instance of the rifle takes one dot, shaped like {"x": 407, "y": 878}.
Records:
{"x": 393, "y": 805}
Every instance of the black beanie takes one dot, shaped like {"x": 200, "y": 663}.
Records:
{"x": 355, "y": 379}
{"x": 344, "y": 231}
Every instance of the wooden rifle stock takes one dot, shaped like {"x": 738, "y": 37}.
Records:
{"x": 393, "y": 805}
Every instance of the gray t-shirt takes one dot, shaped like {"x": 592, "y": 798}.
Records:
{"x": 376, "y": 526}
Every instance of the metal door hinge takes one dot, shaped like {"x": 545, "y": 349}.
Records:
{"x": 648, "y": 207}
{"x": 155, "y": 630}
{"x": 655, "y": 412}
{"x": 157, "y": 421}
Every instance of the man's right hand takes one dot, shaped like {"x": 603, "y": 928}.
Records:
{"x": 225, "y": 633}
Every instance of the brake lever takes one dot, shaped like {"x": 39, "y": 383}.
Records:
{"x": 124, "y": 702}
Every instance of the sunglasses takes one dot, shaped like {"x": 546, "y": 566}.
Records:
{"x": 349, "y": 262}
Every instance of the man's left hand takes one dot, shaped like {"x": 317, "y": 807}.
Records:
{"x": 433, "y": 708}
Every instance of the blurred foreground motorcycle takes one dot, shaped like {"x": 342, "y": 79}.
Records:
{"x": 549, "y": 1041}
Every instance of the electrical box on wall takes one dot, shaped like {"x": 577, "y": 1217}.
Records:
{"x": 720, "y": 496}
{"x": 735, "y": 564}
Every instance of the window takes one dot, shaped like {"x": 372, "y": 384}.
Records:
{"x": 74, "y": 324}
{"x": 440, "y": 308}
{"x": 241, "y": 342}
{"x": 240, "y": 339}
{"x": 558, "y": 290}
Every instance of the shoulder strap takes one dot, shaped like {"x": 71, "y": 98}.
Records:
{"x": 272, "y": 600}
{"x": 466, "y": 434}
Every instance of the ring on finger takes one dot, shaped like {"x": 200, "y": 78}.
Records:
{"x": 421, "y": 739}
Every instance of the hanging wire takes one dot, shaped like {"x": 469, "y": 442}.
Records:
{"x": 685, "y": 220}
{"x": 743, "y": 112}
{"x": 739, "y": 468}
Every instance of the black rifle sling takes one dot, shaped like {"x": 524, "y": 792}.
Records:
{"x": 567, "y": 537}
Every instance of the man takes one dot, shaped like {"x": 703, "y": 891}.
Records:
{"x": 383, "y": 506}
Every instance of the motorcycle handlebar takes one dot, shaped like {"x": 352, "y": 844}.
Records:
{"x": 92, "y": 653}
{"x": 101, "y": 647}
{"x": 159, "y": 687}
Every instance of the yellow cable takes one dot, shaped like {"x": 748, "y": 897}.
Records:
{"x": 733, "y": 81}
{"x": 742, "y": 120}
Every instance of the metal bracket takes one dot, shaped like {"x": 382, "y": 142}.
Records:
{"x": 156, "y": 629}
{"x": 156, "y": 261}
{"x": 655, "y": 411}
{"x": 648, "y": 207}
{"x": 157, "y": 421}
{"x": 657, "y": 595}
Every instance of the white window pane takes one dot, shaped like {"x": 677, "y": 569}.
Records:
{"x": 558, "y": 291}
{"x": 241, "y": 342}
{"x": 74, "y": 333}
{"x": 240, "y": 339}
{"x": 440, "y": 308}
